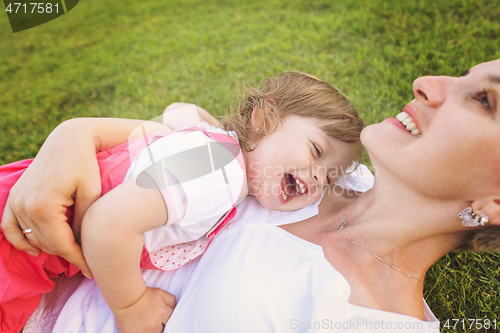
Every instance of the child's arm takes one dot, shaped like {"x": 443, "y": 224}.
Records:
{"x": 112, "y": 240}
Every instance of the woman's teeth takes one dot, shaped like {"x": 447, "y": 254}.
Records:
{"x": 408, "y": 122}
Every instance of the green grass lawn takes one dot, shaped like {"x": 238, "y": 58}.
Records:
{"x": 122, "y": 58}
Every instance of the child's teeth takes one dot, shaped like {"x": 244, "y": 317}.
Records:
{"x": 415, "y": 131}
{"x": 284, "y": 195}
{"x": 300, "y": 186}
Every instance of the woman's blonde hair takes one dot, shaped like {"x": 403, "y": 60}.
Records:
{"x": 299, "y": 94}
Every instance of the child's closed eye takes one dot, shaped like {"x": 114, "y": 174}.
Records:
{"x": 317, "y": 150}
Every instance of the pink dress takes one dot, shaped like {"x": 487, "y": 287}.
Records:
{"x": 23, "y": 278}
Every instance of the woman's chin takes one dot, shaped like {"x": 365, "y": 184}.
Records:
{"x": 364, "y": 131}
{"x": 373, "y": 135}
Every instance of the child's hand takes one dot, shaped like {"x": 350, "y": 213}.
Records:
{"x": 149, "y": 314}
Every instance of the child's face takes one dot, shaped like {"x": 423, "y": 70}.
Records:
{"x": 291, "y": 167}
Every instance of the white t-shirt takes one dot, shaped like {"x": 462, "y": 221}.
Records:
{"x": 254, "y": 277}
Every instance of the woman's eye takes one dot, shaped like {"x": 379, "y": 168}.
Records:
{"x": 482, "y": 98}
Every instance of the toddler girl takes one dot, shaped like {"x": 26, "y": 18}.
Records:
{"x": 169, "y": 194}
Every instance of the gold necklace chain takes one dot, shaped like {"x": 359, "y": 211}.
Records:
{"x": 364, "y": 248}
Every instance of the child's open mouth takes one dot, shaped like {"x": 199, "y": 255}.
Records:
{"x": 292, "y": 186}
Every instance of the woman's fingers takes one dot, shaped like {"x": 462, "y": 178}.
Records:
{"x": 75, "y": 256}
{"x": 87, "y": 192}
{"x": 50, "y": 231}
{"x": 37, "y": 240}
{"x": 13, "y": 232}
{"x": 65, "y": 246}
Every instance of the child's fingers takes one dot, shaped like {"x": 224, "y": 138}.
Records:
{"x": 169, "y": 299}
{"x": 171, "y": 302}
{"x": 149, "y": 313}
{"x": 13, "y": 232}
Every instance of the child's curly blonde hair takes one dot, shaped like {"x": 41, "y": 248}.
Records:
{"x": 483, "y": 239}
{"x": 300, "y": 94}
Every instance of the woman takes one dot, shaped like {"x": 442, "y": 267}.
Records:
{"x": 360, "y": 263}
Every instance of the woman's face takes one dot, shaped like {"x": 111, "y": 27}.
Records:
{"x": 458, "y": 152}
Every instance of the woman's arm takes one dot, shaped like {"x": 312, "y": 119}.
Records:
{"x": 64, "y": 173}
{"x": 181, "y": 114}
{"x": 112, "y": 241}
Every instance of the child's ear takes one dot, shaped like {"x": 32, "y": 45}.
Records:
{"x": 257, "y": 119}
{"x": 489, "y": 206}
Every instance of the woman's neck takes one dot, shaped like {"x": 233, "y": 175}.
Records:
{"x": 408, "y": 230}
{"x": 404, "y": 229}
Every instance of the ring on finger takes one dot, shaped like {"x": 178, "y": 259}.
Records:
{"x": 27, "y": 231}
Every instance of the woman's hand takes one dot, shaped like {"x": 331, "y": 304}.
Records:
{"x": 149, "y": 314}
{"x": 64, "y": 173}
{"x": 177, "y": 115}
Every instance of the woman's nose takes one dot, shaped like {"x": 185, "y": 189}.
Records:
{"x": 431, "y": 90}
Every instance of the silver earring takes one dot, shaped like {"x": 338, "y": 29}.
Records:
{"x": 257, "y": 129}
{"x": 484, "y": 219}
{"x": 471, "y": 219}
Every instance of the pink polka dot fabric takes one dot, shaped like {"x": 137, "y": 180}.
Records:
{"x": 175, "y": 256}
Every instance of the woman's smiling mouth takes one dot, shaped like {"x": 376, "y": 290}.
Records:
{"x": 409, "y": 123}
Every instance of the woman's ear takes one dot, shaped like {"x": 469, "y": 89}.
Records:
{"x": 489, "y": 206}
